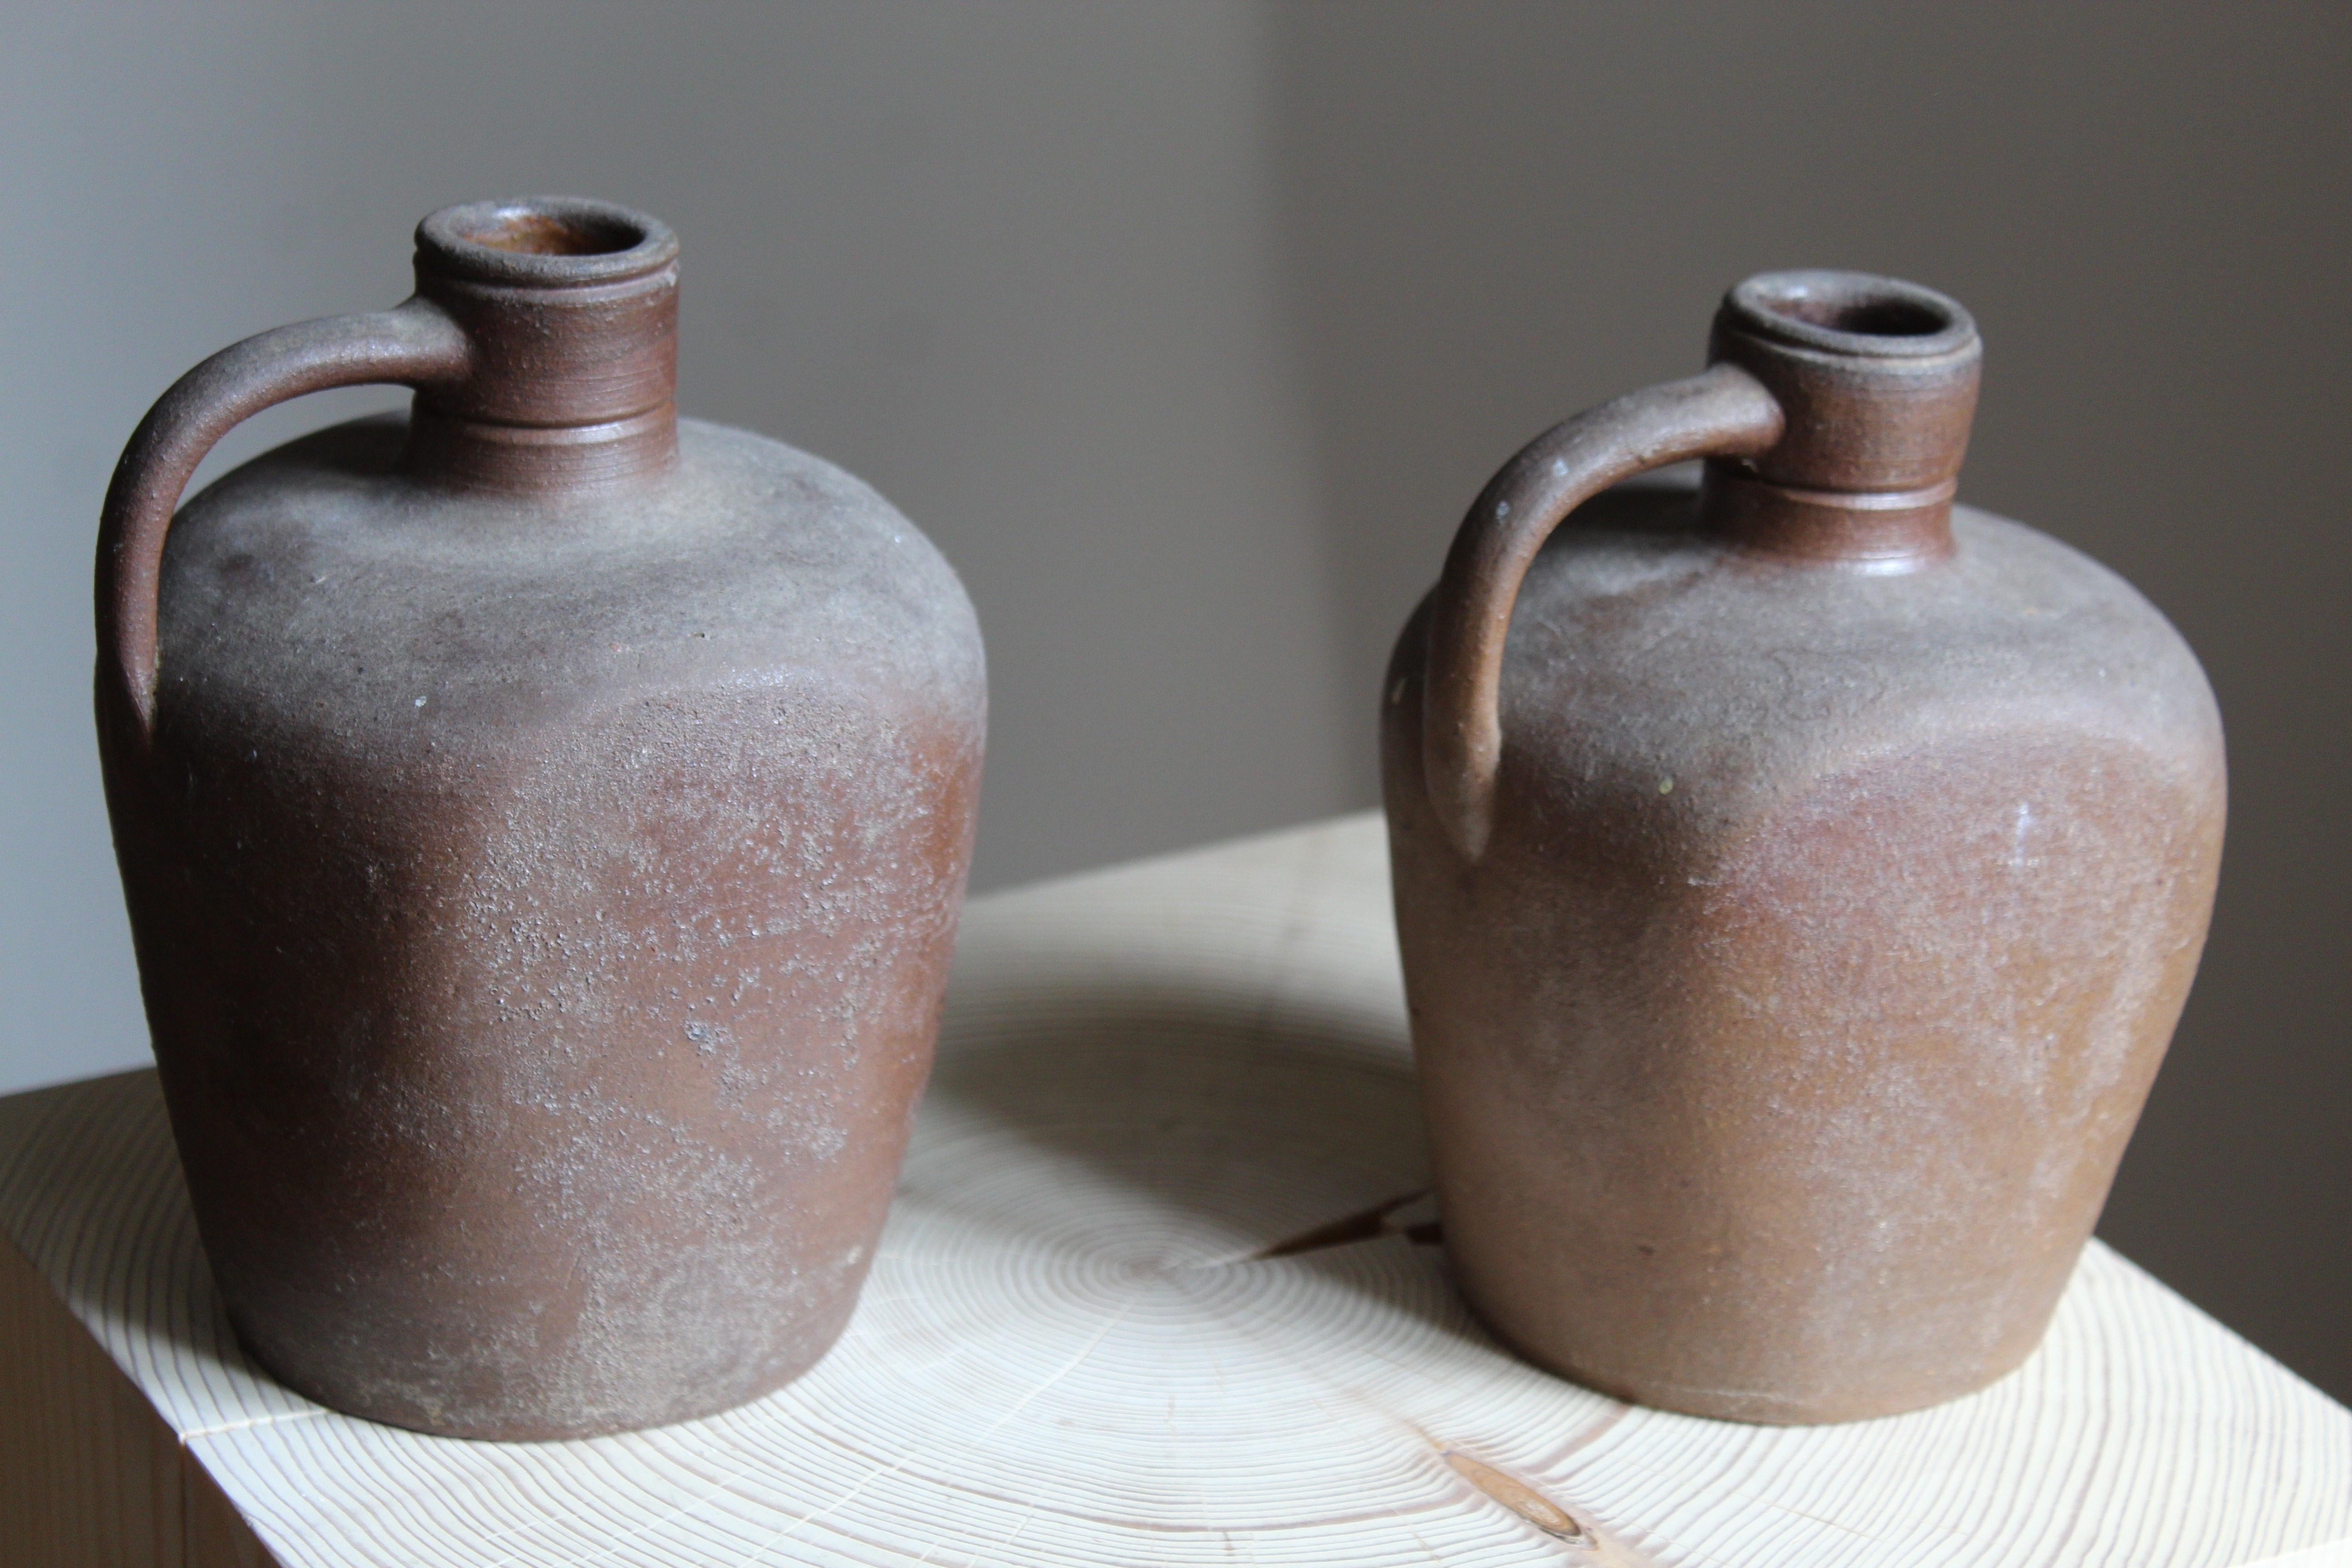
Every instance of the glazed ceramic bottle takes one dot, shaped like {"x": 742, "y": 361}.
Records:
{"x": 1798, "y": 878}
{"x": 544, "y": 821}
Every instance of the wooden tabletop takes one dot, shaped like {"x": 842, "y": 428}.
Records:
{"x": 1158, "y": 1289}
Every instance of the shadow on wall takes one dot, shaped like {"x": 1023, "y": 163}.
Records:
{"x": 1490, "y": 228}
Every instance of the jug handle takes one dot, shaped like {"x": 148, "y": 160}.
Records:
{"x": 416, "y": 343}
{"x": 1722, "y": 412}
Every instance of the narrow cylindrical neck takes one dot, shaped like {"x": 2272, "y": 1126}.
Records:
{"x": 1877, "y": 382}
{"x": 571, "y": 307}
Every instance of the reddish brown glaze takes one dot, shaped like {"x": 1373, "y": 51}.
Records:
{"x": 1798, "y": 879}
{"x": 544, "y": 823}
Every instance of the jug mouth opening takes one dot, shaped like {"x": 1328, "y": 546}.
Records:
{"x": 550, "y": 241}
{"x": 1851, "y": 314}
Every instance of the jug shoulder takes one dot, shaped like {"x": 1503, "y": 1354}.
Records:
{"x": 1660, "y": 676}
{"x": 323, "y": 583}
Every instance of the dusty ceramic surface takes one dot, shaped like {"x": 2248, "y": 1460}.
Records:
{"x": 1788, "y": 969}
{"x": 544, "y": 842}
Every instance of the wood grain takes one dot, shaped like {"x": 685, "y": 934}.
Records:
{"x": 1159, "y": 1287}
{"x": 91, "y": 1476}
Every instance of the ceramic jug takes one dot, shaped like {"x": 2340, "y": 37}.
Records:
{"x": 544, "y": 821}
{"x": 1798, "y": 877}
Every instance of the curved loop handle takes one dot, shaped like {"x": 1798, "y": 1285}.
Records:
{"x": 416, "y": 343}
{"x": 1724, "y": 412}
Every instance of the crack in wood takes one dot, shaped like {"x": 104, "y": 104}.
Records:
{"x": 1589, "y": 1546}
{"x": 1364, "y": 1224}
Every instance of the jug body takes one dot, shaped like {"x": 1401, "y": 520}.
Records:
{"x": 1839, "y": 886}
{"x": 544, "y": 844}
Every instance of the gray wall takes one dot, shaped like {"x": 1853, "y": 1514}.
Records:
{"x": 1017, "y": 267}
{"x": 1188, "y": 331}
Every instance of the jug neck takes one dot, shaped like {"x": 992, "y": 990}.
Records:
{"x": 1877, "y": 382}
{"x": 571, "y": 310}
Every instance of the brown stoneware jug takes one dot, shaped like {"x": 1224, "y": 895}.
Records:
{"x": 1798, "y": 877}
{"x": 544, "y": 821}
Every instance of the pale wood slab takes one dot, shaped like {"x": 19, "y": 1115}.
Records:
{"x": 1075, "y": 1348}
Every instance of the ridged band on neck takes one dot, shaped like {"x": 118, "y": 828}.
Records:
{"x": 1877, "y": 379}
{"x": 570, "y": 305}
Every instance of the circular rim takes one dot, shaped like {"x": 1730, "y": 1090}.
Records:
{"x": 1810, "y": 309}
{"x": 547, "y": 240}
